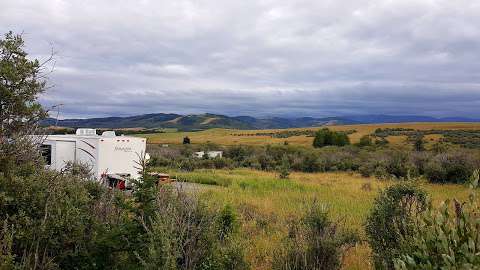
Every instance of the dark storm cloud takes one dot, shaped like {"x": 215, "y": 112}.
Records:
{"x": 252, "y": 57}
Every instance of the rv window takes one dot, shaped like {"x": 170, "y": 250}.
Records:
{"x": 47, "y": 153}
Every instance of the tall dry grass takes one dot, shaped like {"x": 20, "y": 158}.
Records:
{"x": 266, "y": 203}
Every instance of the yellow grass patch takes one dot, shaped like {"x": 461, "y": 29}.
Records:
{"x": 401, "y": 139}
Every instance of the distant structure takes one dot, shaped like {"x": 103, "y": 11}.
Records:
{"x": 210, "y": 154}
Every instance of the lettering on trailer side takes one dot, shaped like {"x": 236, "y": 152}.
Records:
{"x": 123, "y": 149}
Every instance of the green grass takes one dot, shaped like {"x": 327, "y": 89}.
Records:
{"x": 266, "y": 203}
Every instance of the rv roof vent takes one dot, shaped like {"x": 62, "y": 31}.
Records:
{"x": 86, "y": 132}
{"x": 109, "y": 133}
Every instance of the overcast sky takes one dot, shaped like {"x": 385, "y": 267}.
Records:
{"x": 255, "y": 57}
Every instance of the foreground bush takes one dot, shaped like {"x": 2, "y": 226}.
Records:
{"x": 314, "y": 243}
{"x": 444, "y": 238}
{"x": 185, "y": 234}
{"x": 391, "y": 219}
{"x": 51, "y": 220}
{"x": 54, "y": 221}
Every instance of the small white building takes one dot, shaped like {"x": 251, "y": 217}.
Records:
{"x": 105, "y": 155}
{"x": 211, "y": 154}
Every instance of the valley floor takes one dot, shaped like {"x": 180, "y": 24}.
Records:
{"x": 261, "y": 137}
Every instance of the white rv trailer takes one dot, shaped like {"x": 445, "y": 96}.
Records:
{"x": 106, "y": 154}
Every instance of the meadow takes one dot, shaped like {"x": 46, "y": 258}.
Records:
{"x": 257, "y": 137}
{"x": 266, "y": 203}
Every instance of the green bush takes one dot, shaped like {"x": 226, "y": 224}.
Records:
{"x": 239, "y": 153}
{"x": 56, "y": 220}
{"x": 284, "y": 168}
{"x": 314, "y": 243}
{"x": 186, "y": 234}
{"x": 391, "y": 219}
{"x": 419, "y": 144}
{"x": 222, "y": 163}
{"x": 387, "y": 164}
{"x": 365, "y": 141}
{"x": 444, "y": 238}
{"x": 326, "y": 137}
{"x": 187, "y": 164}
{"x": 453, "y": 166}
{"x": 52, "y": 220}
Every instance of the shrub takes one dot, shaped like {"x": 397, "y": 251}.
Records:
{"x": 239, "y": 153}
{"x": 418, "y": 161}
{"x": 365, "y": 141}
{"x": 222, "y": 163}
{"x": 419, "y": 144}
{"x": 444, "y": 238}
{"x": 387, "y": 164}
{"x": 62, "y": 216}
{"x": 186, "y": 164}
{"x": 398, "y": 164}
{"x": 185, "y": 234}
{"x": 311, "y": 163}
{"x": 314, "y": 242}
{"x": 160, "y": 161}
{"x": 391, "y": 219}
{"x": 227, "y": 221}
{"x": 284, "y": 168}
{"x": 452, "y": 166}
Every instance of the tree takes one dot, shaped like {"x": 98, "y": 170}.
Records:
{"x": 186, "y": 140}
{"x": 325, "y": 137}
{"x": 21, "y": 82}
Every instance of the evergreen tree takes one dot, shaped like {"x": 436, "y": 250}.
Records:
{"x": 21, "y": 82}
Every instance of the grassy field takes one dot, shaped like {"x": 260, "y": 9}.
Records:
{"x": 231, "y": 137}
{"x": 265, "y": 204}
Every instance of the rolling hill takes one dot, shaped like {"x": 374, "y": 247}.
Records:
{"x": 207, "y": 121}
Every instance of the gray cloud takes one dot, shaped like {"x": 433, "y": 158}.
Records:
{"x": 263, "y": 58}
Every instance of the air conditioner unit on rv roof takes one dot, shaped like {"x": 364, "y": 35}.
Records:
{"x": 109, "y": 133}
{"x": 86, "y": 132}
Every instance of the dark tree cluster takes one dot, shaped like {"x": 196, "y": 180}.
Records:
{"x": 326, "y": 137}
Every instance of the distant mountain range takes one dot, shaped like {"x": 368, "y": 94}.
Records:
{"x": 206, "y": 121}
